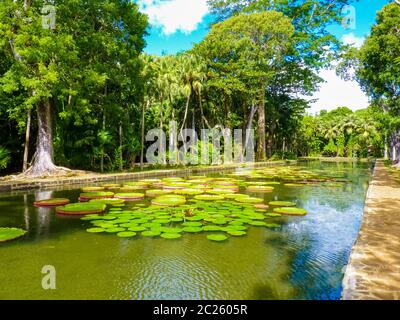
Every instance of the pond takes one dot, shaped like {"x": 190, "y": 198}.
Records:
{"x": 288, "y": 257}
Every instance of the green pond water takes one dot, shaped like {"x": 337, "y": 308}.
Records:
{"x": 303, "y": 258}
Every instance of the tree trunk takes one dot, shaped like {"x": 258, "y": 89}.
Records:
{"x": 261, "y": 145}
{"x": 162, "y": 147}
{"x": 142, "y": 134}
{"x": 43, "y": 163}
{"x": 271, "y": 132}
{"x": 102, "y": 147}
{"x": 27, "y": 140}
{"x": 121, "y": 165}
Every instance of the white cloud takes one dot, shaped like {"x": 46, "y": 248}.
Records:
{"x": 336, "y": 92}
{"x": 175, "y": 15}
{"x": 352, "y": 39}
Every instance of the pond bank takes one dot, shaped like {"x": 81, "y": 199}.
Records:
{"x": 13, "y": 185}
{"x": 373, "y": 271}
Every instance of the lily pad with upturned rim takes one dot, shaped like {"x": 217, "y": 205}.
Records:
{"x": 8, "y": 234}
{"x": 81, "y": 208}
{"x": 282, "y": 204}
{"x": 96, "y": 195}
{"x": 291, "y": 211}
{"x": 209, "y": 197}
{"x": 132, "y": 196}
{"x": 51, "y": 202}
{"x": 249, "y": 200}
{"x": 260, "y": 189}
{"x": 169, "y": 200}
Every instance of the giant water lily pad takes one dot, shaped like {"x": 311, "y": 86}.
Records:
{"x": 189, "y": 191}
{"x": 130, "y": 196}
{"x": 8, "y": 234}
{"x": 193, "y": 229}
{"x": 169, "y": 200}
{"x": 81, "y": 208}
{"x": 217, "y": 237}
{"x": 96, "y": 195}
{"x": 260, "y": 189}
{"x": 248, "y": 200}
{"x": 51, "y": 202}
{"x": 291, "y": 211}
{"x": 151, "y": 233}
{"x": 96, "y": 230}
{"x": 236, "y": 233}
{"x": 110, "y": 201}
{"x": 209, "y": 197}
{"x": 126, "y": 234}
{"x": 171, "y": 236}
{"x": 282, "y": 204}
{"x": 157, "y": 192}
{"x": 92, "y": 189}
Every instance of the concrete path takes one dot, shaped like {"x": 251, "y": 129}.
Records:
{"x": 374, "y": 268}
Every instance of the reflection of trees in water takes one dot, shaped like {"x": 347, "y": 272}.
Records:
{"x": 43, "y": 214}
{"x": 26, "y": 213}
{"x": 340, "y": 198}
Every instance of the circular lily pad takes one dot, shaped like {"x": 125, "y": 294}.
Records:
{"x": 115, "y": 230}
{"x": 126, "y": 234}
{"x": 258, "y": 223}
{"x": 282, "y": 204}
{"x": 291, "y": 211}
{"x": 236, "y": 233}
{"x": 261, "y": 206}
{"x": 81, "y": 208}
{"x": 110, "y": 201}
{"x": 137, "y": 229}
{"x": 151, "y": 233}
{"x": 171, "y": 235}
{"x": 111, "y": 186}
{"x": 274, "y": 215}
{"x": 169, "y": 200}
{"x": 260, "y": 189}
{"x": 189, "y": 191}
{"x": 92, "y": 189}
{"x": 8, "y": 234}
{"x": 293, "y": 185}
{"x": 212, "y": 228}
{"x": 217, "y": 237}
{"x": 130, "y": 196}
{"x": 248, "y": 200}
{"x": 157, "y": 192}
{"x": 96, "y": 195}
{"x": 192, "y": 229}
{"x": 96, "y": 230}
{"x": 51, "y": 202}
{"x": 192, "y": 224}
{"x": 209, "y": 197}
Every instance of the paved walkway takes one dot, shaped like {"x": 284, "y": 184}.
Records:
{"x": 374, "y": 268}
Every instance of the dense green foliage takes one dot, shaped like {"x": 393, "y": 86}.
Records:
{"x": 83, "y": 95}
{"x": 342, "y": 133}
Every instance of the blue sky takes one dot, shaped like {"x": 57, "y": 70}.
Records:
{"x": 177, "y": 24}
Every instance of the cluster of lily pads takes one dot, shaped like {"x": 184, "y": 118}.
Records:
{"x": 171, "y": 207}
{"x": 218, "y": 218}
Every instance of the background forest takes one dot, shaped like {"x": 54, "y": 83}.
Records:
{"x": 82, "y": 95}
